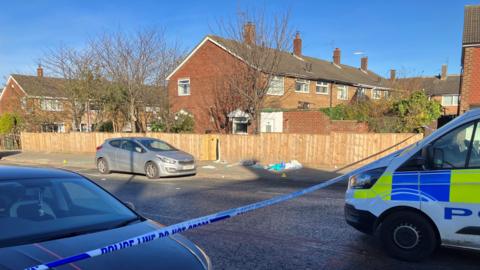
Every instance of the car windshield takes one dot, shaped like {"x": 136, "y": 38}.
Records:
{"x": 156, "y": 145}
{"x": 37, "y": 210}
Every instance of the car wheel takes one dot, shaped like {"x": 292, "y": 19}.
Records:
{"x": 102, "y": 166}
{"x": 408, "y": 236}
{"x": 151, "y": 170}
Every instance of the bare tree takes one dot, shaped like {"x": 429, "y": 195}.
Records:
{"x": 81, "y": 75}
{"x": 133, "y": 63}
{"x": 259, "y": 42}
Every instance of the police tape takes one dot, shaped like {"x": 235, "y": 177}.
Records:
{"x": 186, "y": 225}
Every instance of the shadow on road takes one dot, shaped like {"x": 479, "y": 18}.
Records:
{"x": 8, "y": 153}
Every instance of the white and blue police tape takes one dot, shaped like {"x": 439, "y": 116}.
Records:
{"x": 186, "y": 225}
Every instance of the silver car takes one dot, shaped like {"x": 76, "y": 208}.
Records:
{"x": 152, "y": 157}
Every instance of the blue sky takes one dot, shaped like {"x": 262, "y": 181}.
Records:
{"x": 414, "y": 37}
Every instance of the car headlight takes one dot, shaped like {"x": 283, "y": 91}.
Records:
{"x": 166, "y": 160}
{"x": 366, "y": 179}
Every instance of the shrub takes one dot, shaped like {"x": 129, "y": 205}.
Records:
{"x": 408, "y": 114}
{"x": 10, "y": 123}
{"x": 181, "y": 122}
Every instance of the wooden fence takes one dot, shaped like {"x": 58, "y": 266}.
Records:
{"x": 334, "y": 149}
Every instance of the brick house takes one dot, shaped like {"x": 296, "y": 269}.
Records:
{"x": 470, "y": 80}
{"x": 39, "y": 100}
{"x": 300, "y": 88}
{"x": 42, "y": 102}
{"x": 444, "y": 88}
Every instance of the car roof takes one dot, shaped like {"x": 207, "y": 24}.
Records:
{"x": 130, "y": 138}
{"x": 20, "y": 172}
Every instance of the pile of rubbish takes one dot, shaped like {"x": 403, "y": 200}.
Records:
{"x": 284, "y": 166}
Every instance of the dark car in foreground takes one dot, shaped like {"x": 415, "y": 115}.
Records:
{"x": 48, "y": 214}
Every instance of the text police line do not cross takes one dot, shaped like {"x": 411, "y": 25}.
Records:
{"x": 186, "y": 225}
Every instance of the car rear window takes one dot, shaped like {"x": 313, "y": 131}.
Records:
{"x": 115, "y": 143}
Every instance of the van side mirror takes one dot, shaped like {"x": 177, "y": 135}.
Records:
{"x": 438, "y": 158}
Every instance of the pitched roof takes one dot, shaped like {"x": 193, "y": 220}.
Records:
{"x": 55, "y": 87}
{"x": 41, "y": 87}
{"x": 434, "y": 86}
{"x": 471, "y": 25}
{"x": 315, "y": 69}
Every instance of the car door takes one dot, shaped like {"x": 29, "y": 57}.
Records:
{"x": 129, "y": 157}
{"x": 450, "y": 185}
{"x": 111, "y": 153}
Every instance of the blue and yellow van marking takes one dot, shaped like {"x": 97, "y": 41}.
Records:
{"x": 455, "y": 186}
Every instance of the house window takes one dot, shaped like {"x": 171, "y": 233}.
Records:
{"x": 342, "y": 92}
{"x": 184, "y": 87}
{"x": 386, "y": 94}
{"x": 450, "y": 100}
{"x": 53, "y": 127}
{"x": 360, "y": 92}
{"x": 23, "y": 103}
{"x": 152, "y": 109}
{"x": 276, "y": 86}
{"x": 51, "y": 105}
{"x": 302, "y": 86}
{"x": 376, "y": 94}
{"x": 321, "y": 88}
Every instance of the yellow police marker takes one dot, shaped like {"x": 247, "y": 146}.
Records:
{"x": 64, "y": 162}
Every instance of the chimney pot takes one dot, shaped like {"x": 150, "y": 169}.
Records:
{"x": 297, "y": 44}
{"x": 336, "y": 56}
{"x": 364, "y": 63}
{"x": 249, "y": 33}
{"x": 392, "y": 75}
{"x": 40, "y": 71}
{"x": 443, "y": 76}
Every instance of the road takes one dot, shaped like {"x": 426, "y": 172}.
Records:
{"x": 306, "y": 233}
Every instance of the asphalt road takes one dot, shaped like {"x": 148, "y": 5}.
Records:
{"x": 306, "y": 233}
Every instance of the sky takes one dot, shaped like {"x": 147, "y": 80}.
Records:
{"x": 415, "y": 37}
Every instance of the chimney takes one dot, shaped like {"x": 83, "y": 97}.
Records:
{"x": 40, "y": 71}
{"x": 297, "y": 45}
{"x": 443, "y": 76}
{"x": 249, "y": 33}
{"x": 364, "y": 63}
{"x": 393, "y": 75}
{"x": 336, "y": 56}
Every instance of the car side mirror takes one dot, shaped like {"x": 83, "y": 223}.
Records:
{"x": 438, "y": 158}
{"x": 138, "y": 149}
{"x": 130, "y": 205}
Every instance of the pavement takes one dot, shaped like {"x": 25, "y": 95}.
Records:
{"x": 306, "y": 233}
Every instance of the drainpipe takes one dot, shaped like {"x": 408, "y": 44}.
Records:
{"x": 331, "y": 94}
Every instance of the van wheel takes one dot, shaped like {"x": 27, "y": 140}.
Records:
{"x": 102, "y": 166}
{"x": 408, "y": 236}
{"x": 151, "y": 170}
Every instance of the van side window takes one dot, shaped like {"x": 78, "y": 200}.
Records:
{"x": 474, "y": 161}
{"x": 451, "y": 150}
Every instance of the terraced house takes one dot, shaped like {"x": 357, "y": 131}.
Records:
{"x": 470, "y": 83}
{"x": 299, "y": 88}
{"x": 42, "y": 102}
{"x": 444, "y": 88}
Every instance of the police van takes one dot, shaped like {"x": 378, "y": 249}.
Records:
{"x": 423, "y": 196}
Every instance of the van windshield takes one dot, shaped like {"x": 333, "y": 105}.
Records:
{"x": 448, "y": 126}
